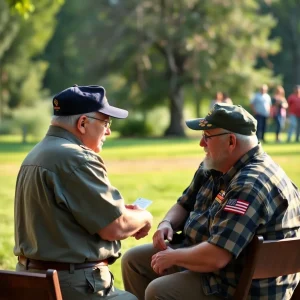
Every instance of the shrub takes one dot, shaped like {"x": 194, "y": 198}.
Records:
{"x": 6, "y": 127}
{"x": 32, "y": 121}
{"x": 135, "y": 128}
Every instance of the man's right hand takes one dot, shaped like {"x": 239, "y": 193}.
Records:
{"x": 143, "y": 232}
{"x": 163, "y": 232}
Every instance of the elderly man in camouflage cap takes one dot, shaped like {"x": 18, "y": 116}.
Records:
{"x": 237, "y": 192}
{"x": 68, "y": 216}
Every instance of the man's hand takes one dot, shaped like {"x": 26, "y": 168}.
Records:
{"x": 143, "y": 232}
{"x": 163, "y": 232}
{"x": 132, "y": 206}
{"x": 162, "y": 260}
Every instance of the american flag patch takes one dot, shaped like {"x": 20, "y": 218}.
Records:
{"x": 236, "y": 206}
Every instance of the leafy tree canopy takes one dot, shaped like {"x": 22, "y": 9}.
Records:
{"x": 22, "y": 41}
{"x": 23, "y": 7}
{"x": 286, "y": 62}
{"x": 158, "y": 49}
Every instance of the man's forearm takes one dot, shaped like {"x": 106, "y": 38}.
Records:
{"x": 176, "y": 216}
{"x": 203, "y": 257}
{"x": 128, "y": 224}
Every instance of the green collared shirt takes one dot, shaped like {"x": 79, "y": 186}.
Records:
{"x": 63, "y": 198}
{"x": 254, "y": 197}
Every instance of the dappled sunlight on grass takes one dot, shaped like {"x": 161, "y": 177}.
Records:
{"x": 157, "y": 169}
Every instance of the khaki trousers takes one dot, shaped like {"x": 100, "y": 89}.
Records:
{"x": 87, "y": 283}
{"x": 140, "y": 280}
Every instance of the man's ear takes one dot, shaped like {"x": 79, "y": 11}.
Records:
{"x": 232, "y": 141}
{"x": 81, "y": 124}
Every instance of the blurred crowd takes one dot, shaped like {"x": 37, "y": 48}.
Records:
{"x": 220, "y": 97}
{"x": 285, "y": 113}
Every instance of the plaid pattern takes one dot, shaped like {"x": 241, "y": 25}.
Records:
{"x": 273, "y": 211}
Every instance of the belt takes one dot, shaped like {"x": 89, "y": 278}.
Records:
{"x": 59, "y": 266}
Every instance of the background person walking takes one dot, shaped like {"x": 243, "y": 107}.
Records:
{"x": 294, "y": 114}
{"x": 261, "y": 105}
{"x": 279, "y": 107}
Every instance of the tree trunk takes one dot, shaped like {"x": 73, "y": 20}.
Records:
{"x": 297, "y": 67}
{"x": 1, "y": 98}
{"x": 293, "y": 21}
{"x": 176, "y": 127}
{"x": 24, "y": 134}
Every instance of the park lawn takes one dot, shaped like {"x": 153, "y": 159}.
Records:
{"x": 157, "y": 169}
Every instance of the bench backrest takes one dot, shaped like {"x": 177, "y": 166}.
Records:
{"x": 24, "y": 285}
{"x": 265, "y": 259}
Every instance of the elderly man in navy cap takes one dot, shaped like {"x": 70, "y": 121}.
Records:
{"x": 238, "y": 191}
{"x": 68, "y": 216}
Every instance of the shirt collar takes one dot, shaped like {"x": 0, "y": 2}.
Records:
{"x": 63, "y": 133}
{"x": 244, "y": 160}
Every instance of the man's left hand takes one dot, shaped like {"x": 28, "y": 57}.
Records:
{"x": 162, "y": 260}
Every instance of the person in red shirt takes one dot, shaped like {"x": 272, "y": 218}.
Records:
{"x": 294, "y": 114}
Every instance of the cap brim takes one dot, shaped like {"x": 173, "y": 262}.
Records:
{"x": 195, "y": 124}
{"x": 114, "y": 112}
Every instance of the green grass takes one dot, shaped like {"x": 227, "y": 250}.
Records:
{"x": 157, "y": 169}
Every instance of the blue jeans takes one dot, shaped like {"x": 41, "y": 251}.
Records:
{"x": 261, "y": 126}
{"x": 280, "y": 122}
{"x": 294, "y": 127}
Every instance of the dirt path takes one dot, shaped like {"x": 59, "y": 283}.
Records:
{"x": 147, "y": 165}
{"x": 129, "y": 166}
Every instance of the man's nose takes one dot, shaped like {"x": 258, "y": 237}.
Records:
{"x": 202, "y": 142}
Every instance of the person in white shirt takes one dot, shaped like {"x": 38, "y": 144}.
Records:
{"x": 261, "y": 105}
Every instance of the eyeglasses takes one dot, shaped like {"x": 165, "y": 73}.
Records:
{"x": 107, "y": 124}
{"x": 207, "y": 137}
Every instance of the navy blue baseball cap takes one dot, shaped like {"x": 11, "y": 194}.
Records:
{"x": 78, "y": 100}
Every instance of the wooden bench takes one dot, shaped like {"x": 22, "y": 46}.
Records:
{"x": 267, "y": 259}
{"x": 34, "y": 286}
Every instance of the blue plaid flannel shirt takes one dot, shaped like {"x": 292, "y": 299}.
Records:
{"x": 271, "y": 209}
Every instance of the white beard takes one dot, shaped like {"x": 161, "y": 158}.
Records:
{"x": 214, "y": 164}
{"x": 207, "y": 164}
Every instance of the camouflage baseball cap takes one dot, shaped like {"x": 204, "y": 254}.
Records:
{"x": 230, "y": 117}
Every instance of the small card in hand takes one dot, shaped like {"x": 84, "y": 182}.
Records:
{"x": 142, "y": 202}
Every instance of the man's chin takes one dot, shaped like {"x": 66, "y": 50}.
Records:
{"x": 207, "y": 165}
{"x": 98, "y": 149}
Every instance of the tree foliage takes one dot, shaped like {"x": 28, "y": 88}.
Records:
{"x": 147, "y": 53}
{"x": 22, "y": 71}
{"x": 23, "y": 7}
{"x": 287, "y": 61}
{"x": 158, "y": 49}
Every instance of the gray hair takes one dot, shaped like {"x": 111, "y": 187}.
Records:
{"x": 245, "y": 140}
{"x": 70, "y": 120}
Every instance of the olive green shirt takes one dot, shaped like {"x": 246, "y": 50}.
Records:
{"x": 63, "y": 198}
